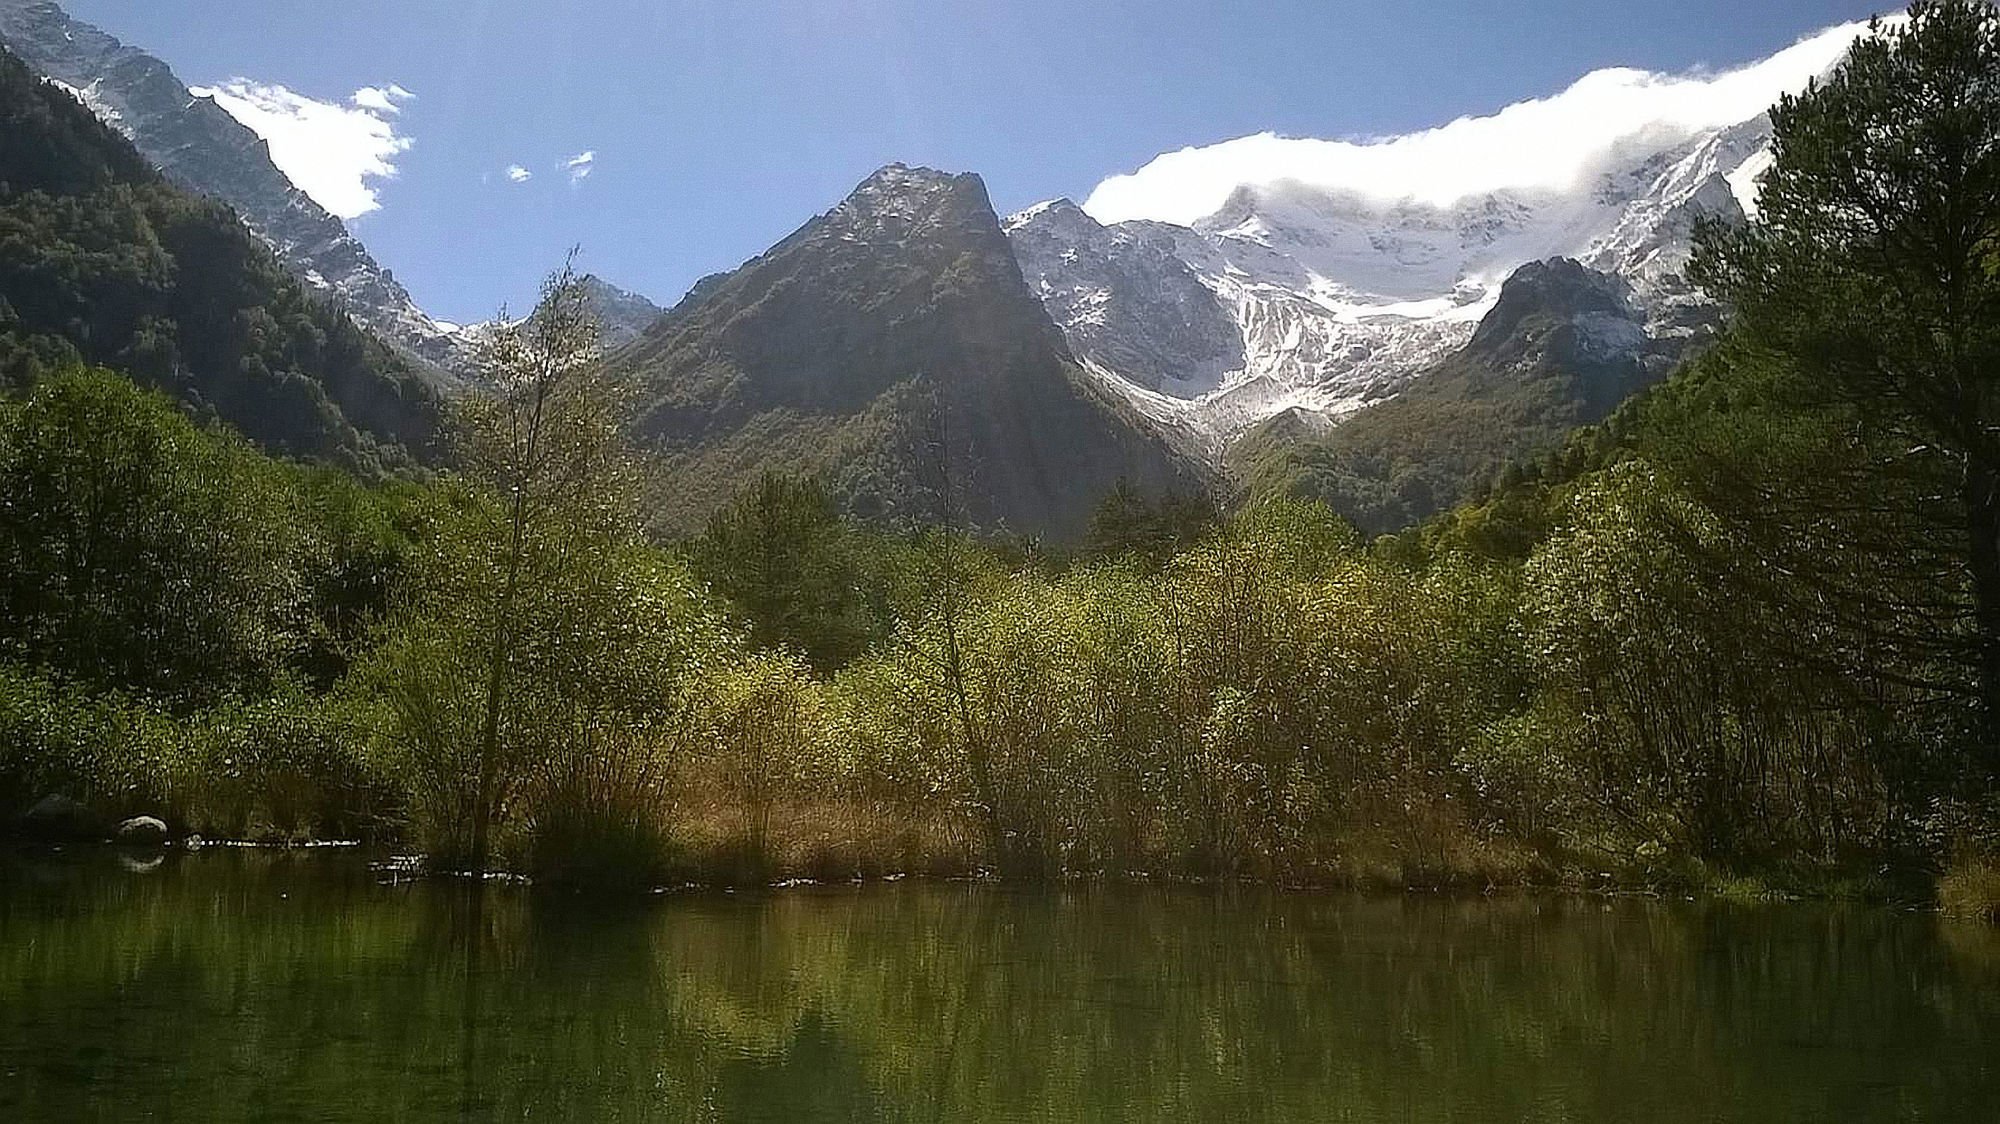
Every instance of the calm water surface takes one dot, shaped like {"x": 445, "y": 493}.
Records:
{"x": 241, "y": 986}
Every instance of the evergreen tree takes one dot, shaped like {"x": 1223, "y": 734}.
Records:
{"x": 1874, "y": 268}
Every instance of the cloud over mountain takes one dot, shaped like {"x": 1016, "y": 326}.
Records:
{"x": 336, "y": 152}
{"x": 1550, "y": 142}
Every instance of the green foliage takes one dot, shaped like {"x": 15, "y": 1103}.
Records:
{"x": 1270, "y": 694}
{"x": 289, "y": 766}
{"x": 142, "y": 553}
{"x": 1871, "y": 277}
{"x": 1130, "y": 523}
{"x": 1688, "y": 728}
{"x": 103, "y": 261}
{"x": 759, "y": 732}
{"x": 533, "y": 626}
{"x": 138, "y": 550}
{"x": 1736, "y": 630}
{"x": 1970, "y": 889}
{"x": 802, "y": 576}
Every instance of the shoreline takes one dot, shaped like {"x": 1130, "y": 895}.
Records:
{"x": 411, "y": 867}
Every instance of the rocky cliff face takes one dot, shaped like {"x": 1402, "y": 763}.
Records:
{"x": 1336, "y": 302}
{"x": 107, "y": 262}
{"x": 622, "y": 315}
{"x": 200, "y": 146}
{"x": 1563, "y": 346}
{"x": 1165, "y": 330}
{"x": 892, "y": 344}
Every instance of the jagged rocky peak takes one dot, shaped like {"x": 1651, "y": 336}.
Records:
{"x": 1561, "y": 320}
{"x": 201, "y": 147}
{"x": 1054, "y": 215}
{"x": 899, "y": 201}
{"x": 923, "y": 242}
{"x": 1560, "y": 289}
{"x": 622, "y": 315}
{"x": 1131, "y": 304}
{"x": 896, "y": 318}
{"x": 904, "y": 225}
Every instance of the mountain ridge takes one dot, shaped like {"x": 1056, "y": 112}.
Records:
{"x": 200, "y": 146}
{"x": 111, "y": 263}
{"x": 893, "y": 324}
{"x": 1280, "y": 318}
{"x": 1338, "y": 301}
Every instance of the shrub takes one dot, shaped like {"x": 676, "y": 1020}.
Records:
{"x": 595, "y": 814}
{"x": 1970, "y": 888}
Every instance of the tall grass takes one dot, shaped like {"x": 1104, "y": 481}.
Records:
{"x": 596, "y": 813}
{"x": 1970, "y": 888}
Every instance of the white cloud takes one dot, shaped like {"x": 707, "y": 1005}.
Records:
{"x": 580, "y": 165}
{"x": 1549, "y": 142}
{"x": 382, "y": 100}
{"x": 335, "y": 152}
{"x": 518, "y": 174}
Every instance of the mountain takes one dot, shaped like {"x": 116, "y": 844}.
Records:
{"x": 1562, "y": 347}
{"x": 1132, "y": 308}
{"x": 102, "y": 260}
{"x": 622, "y": 315}
{"x": 1304, "y": 338}
{"x": 202, "y": 148}
{"x": 1319, "y": 303}
{"x": 850, "y": 347}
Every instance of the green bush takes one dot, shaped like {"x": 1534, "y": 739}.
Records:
{"x": 292, "y": 766}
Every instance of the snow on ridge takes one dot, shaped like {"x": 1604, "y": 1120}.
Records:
{"x": 1746, "y": 182}
{"x": 1556, "y": 143}
{"x": 92, "y": 98}
{"x": 1340, "y": 270}
{"x": 1336, "y": 300}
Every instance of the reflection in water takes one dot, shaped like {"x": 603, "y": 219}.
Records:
{"x": 254, "y": 985}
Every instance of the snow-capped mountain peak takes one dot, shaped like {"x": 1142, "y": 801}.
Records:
{"x": 1343, "y": 269}
{"x": 1293, "y": 296}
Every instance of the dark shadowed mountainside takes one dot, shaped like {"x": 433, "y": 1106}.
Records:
{"x": 849, "y": 348}
{"x": 102, "y": 260}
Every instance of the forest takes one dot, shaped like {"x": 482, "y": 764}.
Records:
{"x": 1741, "y": 637}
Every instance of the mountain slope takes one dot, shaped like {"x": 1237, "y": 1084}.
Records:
{"x": 1336, "y": 301}
{"x": 852, "y": 344}
{"x": 103, "y": 261}
{"x": 202, "y": 148}
{"x": 622, "y": 315}
{"x": 1564, "y": 346}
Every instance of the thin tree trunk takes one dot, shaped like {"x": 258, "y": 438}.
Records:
{"x": 503, "y": 641}
{"x": 976, "y": 747}
{"x": 489, "y": 733}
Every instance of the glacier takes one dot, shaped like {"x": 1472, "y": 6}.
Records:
{"x": 1219, "y": 287}
{"x": 1296, "y": 297}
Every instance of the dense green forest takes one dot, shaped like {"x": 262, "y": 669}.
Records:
{"x": 102, "y": 261}
{"x": 1744, "y": 632}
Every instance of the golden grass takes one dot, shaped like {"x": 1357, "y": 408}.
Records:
{"x": 824, "y": 840}
{"x": 1970, "y": 889}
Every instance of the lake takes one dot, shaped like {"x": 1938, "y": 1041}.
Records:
{"x": 230, "y": 985}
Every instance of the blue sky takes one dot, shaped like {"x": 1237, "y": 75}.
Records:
{"x": 715, "y": 127}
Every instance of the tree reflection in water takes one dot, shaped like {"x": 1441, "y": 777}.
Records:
{"x": 238, "y": 985}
